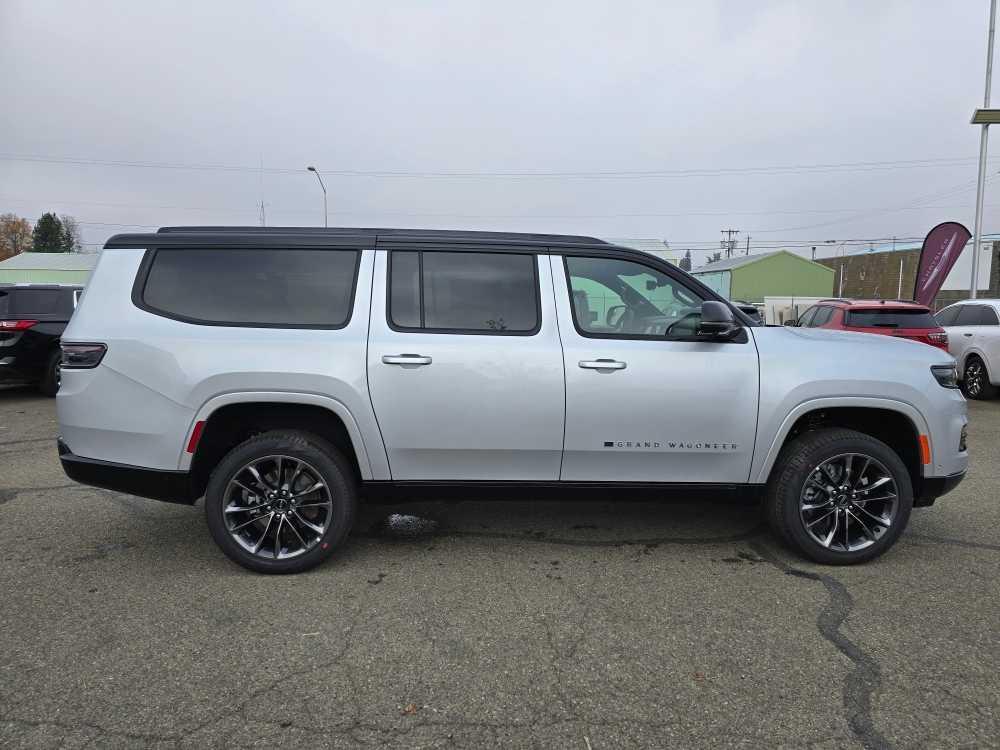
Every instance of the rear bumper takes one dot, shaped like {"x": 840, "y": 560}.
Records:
{"x": 156, "y": 484}
{"x": 931, "y": 488}
{"x": 14, "y": 370}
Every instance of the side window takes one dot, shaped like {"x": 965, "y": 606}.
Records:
{"x": 271, "y": 288}
{"x": 822, "y": 317}
{"x": 464, "y": 292}
{"x": 987, "y": 316}
{"x": 622, "y": 298}
{"x": 805, "y": 320}
{"x": 947, "y": 316}
{"x": 968, "y": 315}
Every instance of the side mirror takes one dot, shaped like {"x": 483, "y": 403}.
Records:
{"x": 791, "y": 322}
{"x": 717, "y": 321}
{"x": 614, "y": 315}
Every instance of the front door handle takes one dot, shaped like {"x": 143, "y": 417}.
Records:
{"x": 405, "y": 359}
{"x": 967, "y": 335}
{"x": 602, "y": 364}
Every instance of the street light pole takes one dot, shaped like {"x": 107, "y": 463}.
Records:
{"x": 315, "y": 171}
{"x": 983, "y": 138}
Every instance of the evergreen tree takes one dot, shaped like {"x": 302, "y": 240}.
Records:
{"x": 48, "y": 236}
{"x": 686, "y": 261}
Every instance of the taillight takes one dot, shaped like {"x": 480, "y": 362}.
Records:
{"x": 16, "y": 325}
{"x": 82, "y": 356}
{"x": 941, "y": 339}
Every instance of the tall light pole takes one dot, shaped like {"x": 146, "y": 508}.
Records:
{"x": 315, "y": 171}
{"x": 983, "y": 117}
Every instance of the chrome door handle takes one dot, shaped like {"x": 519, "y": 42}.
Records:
{"x": 602, "y": 364}
{"x": 405, "y": 359}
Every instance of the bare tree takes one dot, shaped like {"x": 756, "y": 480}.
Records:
{"x": 71, "y": 238}
{"x": 15, "y": 235}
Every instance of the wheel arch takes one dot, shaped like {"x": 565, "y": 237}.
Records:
{"x": 895, "y": 423}
{"x": 981, "y": 356}
{"x": 230, "y": 419}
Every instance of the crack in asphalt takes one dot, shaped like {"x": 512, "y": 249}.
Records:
{"x": 866, "y": 678}
{"x": 28, "y": 440}
{"x": 9, "y": 493}
{"x": 955, "y": 542}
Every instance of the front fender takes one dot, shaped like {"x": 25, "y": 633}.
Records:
{"x": 770, "y": 445}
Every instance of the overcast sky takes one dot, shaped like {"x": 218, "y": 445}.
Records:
{"x": 486, "y": 108}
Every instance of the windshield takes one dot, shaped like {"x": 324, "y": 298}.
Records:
{"x": 891, "y": 318}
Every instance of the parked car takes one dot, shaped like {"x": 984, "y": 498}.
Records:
{"x": 32, "y": 318}
{"x": 973, "y": 328}
{"x": 750, "y": 310}
{"x": 284, "y": 374}
{"x": 905, "y": 320}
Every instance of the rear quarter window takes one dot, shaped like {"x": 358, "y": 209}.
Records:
{"x": 271, "y": 288}
{"x": 891, "y": 318}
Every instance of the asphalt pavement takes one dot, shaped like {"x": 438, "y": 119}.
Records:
{"x": 489, "y": 624}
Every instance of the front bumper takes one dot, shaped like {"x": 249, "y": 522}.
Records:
{"x": 931, "y": 488}
{"x": 156, "y": 484}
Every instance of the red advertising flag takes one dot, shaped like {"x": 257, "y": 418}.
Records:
{"x": 942, "y": 246}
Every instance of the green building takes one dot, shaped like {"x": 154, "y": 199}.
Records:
{"x": 48, "y": 268}
{"x": 779, "y": 274}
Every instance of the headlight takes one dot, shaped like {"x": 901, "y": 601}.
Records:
{"x": 946, "y": 375}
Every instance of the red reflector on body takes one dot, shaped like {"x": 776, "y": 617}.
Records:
{"x": 195, "y": 436}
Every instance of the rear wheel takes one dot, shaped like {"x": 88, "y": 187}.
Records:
{"x": 976, "y": 381}
{"x": 49, "y": 384}
{"x": 281, "y": 502}
{"x": 839, "y": 496}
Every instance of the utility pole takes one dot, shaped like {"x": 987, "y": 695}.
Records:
{"x": 983, "y": 139}
{"x": 748, "y": 244}
{"x": 729, "y": 244}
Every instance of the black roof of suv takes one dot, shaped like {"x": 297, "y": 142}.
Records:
{"x": 186, "y": 235}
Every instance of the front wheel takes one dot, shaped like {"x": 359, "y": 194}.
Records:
{"x": 839, "y": 496}
{"x": 976, "y": 380}
{"x": 281, "y": 502}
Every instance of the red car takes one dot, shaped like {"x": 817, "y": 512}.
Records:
{"x": 888, "y": 317}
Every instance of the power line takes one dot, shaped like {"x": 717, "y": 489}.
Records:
{"x": 380, "y": 212}
{"x": 862, "y": 166}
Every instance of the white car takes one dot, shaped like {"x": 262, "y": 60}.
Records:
{"x": 973, "y": 328}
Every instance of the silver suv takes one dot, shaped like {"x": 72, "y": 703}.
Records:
{"x": 285, "y": 374}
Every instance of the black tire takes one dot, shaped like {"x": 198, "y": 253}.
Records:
{"x": 49, "y": 384}
{"x": 322, "y": 459}
{"x": 798, "y": 462}
{"x": 976, "y": 380}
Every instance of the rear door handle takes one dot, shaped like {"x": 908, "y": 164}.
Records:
{"x": 602, "y": 364}
{"x": 405, "y": 359}
{"x": 967, "y": 335}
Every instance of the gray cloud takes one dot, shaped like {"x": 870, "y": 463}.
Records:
{"x": 505, "y": 87}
